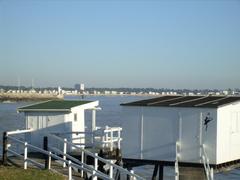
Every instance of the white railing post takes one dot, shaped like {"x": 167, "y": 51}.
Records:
{"x": 93, "y": 138}
{"x": 95, "y": 167}
{"x": 132, "y": 177}
{"x": 177, "y": 159}
{"x": 25, "y": 155}
{"x": 64, "y": 151}
{"x": 111, "y": 140}
{"x": 49, "y": 159}
{"x": 111, "y": 169}
{"x": 212, "y": 174}
{"x": 102, "y": 139}
{"x": 106, "y": 136}
{"x": 119, "y": 138}
{"x": 82, "y": 161}
{"x": 69, "y": 170}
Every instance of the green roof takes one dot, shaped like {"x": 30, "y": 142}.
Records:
{"x": 55, "y": 105}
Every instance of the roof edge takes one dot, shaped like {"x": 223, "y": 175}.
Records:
{"x": 43, "y": 110}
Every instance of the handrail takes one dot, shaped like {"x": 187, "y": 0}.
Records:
{"x": 19, "y": 131}
{"x": 106, "y": 139}
{"x": 98, "y": 157}
{"x": 208, "y": 169}
{"x": 15, "y": 139}
{"x": 113, "y": 129}
{"x": 88, "y": 169}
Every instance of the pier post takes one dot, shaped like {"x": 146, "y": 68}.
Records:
{"x": 160, "y": 172}
{"x": 4, "y": 151}
{"x": 45, "y": 147}
{"x": 154, "y": 176}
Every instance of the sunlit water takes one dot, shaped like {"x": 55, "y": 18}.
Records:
{"x": 109, "y": 115}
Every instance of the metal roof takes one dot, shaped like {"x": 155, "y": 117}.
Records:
{"x": 186, "y": 101}
{"x": 55, "y": 105}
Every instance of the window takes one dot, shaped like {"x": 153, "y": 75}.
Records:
{"x": 75, "y": 117}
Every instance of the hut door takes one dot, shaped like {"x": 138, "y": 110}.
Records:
{"x": 235, "y": 135}
{"x": 190, "y": 137}
{"x": 37, "y": 136}
{"x": 42, "y": 123}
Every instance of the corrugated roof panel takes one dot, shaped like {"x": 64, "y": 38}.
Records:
{"x": 187, "y": 101}
{"x": 227, "y": 100}
{"x": 173, "y": 101}
{"x": 146, "y": 102}
{"x": 199, "y": 101}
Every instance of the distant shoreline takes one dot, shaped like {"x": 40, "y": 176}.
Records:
{"x": 14, "y": 97}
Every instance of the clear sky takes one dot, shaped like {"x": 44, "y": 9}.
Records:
{"x": 128, "y": 43}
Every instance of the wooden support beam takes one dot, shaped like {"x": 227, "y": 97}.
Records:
{"x": 45, "y": 147}
{"x": 154, "y": 176}
{"x": 160, "y": 172}
{"x": 4, "y": 151}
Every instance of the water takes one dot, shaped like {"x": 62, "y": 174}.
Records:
{"x": 109, "y": 115}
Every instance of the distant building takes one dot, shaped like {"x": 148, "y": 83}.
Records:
{"x": 226, "y": 92}
{"x": 82, "y": 88}
{"x": 79, "y": 87}
{"x": 59, "y": 90}
{"x": 114, "y": 92}
{"x": 106, "y": 92}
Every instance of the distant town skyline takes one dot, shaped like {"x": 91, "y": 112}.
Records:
{"x": 142, "y": 44}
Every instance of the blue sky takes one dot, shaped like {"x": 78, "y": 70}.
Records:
{"x": 135, "y": 43}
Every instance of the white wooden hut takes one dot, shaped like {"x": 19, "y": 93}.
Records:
{"x": 58, "y": 116}
{"x": 152, "y": 127}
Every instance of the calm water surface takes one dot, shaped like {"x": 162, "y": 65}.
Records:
{"x": 109, "y": 115}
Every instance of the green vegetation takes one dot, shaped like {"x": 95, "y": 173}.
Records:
{"x": 14, "y": 173}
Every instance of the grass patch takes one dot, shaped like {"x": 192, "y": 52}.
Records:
{"x": 14, "y": 173}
